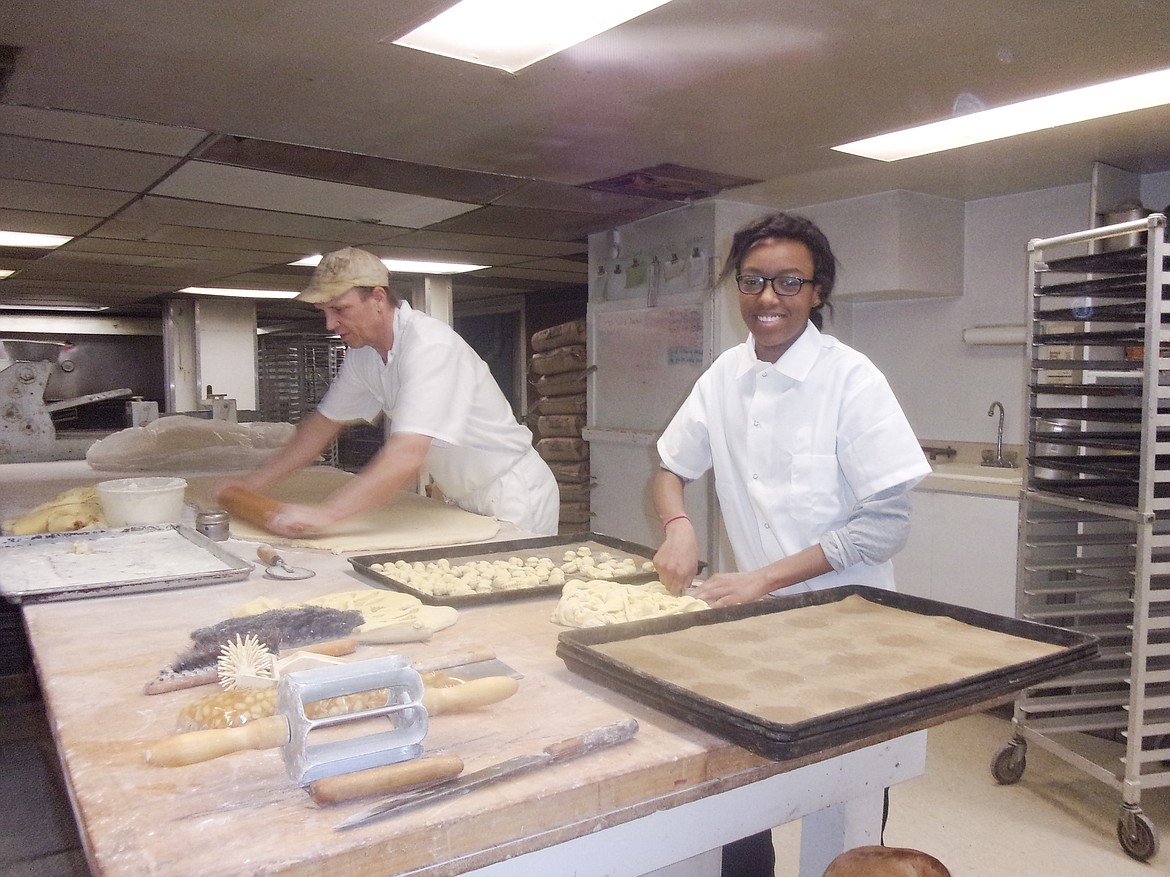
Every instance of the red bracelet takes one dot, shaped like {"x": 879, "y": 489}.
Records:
{"x": 669, "y": 521}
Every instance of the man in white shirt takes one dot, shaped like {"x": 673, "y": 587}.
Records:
{"x": 448, "y": 416}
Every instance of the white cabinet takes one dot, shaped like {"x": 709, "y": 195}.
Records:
{"x": 962, "y": 550}
{"x": 894, "y": 245}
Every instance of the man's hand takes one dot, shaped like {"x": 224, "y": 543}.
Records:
{"x": 293, "y": 520}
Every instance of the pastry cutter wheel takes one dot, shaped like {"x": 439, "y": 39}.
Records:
{"x": 276, "y": 567}
{"x": 312, "y": 749}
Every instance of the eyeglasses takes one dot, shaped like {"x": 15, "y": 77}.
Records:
{"x": 754, "y": 284}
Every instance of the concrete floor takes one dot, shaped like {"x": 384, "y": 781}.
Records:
{"x": 1056, "y": 820}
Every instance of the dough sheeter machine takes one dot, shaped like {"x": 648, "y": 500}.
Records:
{"x": 27, "y": 431}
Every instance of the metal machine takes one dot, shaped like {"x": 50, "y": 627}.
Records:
{"x": 27, "y": 431}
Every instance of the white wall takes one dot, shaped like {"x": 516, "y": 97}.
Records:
{"x": 944, "y": 385}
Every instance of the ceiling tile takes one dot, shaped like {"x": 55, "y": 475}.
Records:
{"x": 90, "y": 130}
{"x": 519, "y": 222}
{"x": 202, "y": 181}
{"x": 360, "y": 170}
{"x": 490, "y": 243}
{"x": 54, "y": 198}
{"x": 154, "y": 210}
{"x": 71, "y": 164}
{"x": 44, "y": 223}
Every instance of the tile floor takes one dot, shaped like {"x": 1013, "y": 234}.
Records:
{"x": 38, "y": 837}
{"x": 1055, "y": 821}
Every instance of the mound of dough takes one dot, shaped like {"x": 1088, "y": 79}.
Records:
{"x": 598, "y": 603}
{"x": 183, "y": 443}
{"x": 390, "y": 616}
{"x": 75, "y": 509}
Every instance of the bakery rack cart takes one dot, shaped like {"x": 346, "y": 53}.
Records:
{"x": 1094, "y": 550}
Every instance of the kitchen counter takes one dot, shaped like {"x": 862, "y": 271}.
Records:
{"x": 973, "y": 478}
{"x": 674, "y": 793}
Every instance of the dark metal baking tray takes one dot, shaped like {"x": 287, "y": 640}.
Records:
{"x": 1111, "y": 491}
{"x": 879, "y": 719}
{"x": 1132, "y": 390}
{"x": 1129, "y": 286}
{"x": 1104, "y": 338}
{"x": 1121, "y": 466}
{"x": 1104, "y": 439}
{"x": 1114, "y": 262}
{"x": 117, "y": 560}
{"x": 493, "y": 550}
{"x": 1124, "y": 312}
{"x": 1131, "y": 414}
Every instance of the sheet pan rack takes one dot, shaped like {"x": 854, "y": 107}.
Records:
{"x": 1094, "y": 550}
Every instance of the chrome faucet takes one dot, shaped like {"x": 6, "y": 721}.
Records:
{"x": 999, "y": 460}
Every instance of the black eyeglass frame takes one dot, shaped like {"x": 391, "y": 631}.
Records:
{"x": 783, "y": 278}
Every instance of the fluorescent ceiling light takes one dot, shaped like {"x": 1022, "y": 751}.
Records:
{"x": 6, "y": 272}
{"x": 1079, "y": 105}
{"x": 511, "y": 34}
{"x": 71, "y": 308}
{"x": 240, "y": 293}
{"x": 33, "y": 241}
{"x": 406, "y": 266}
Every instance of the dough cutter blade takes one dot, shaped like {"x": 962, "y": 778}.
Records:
{"x": 276, "y": 567}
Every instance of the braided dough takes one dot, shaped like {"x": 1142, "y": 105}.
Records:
{"x": 390, "y": 616}
{"x": 599, "y": 602}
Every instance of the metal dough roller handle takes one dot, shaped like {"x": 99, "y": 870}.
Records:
{"x": 307, "y": 761}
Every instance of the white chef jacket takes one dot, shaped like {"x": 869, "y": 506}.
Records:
{"x": 793, "y": 445}
{"x": 433, "y": 383}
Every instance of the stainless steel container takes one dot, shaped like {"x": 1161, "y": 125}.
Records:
{"x": 212, "y": 524}
{"x": 1125, "y": 213}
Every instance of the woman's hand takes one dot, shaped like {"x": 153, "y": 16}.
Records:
{"x": 733, "y": 588}
{"x": 677, "y": 559}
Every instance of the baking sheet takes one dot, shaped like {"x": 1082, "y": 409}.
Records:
{"x": 540, "y": 546}
{"x": 96, "y": 563}
{"x": 784, "y": 677}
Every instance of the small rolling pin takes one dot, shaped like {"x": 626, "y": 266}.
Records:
{"x": 248, "y": 505}
{"x": 418, "y": 773}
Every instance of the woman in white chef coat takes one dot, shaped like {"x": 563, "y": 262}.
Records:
{"x": 447, "y": 414}
{"x": 812, "y": 456}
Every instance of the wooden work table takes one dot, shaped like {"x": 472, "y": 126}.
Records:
{"x": 674, "y": 793}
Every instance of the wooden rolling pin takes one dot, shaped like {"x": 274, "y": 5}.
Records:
{"x": 418, "y": 773}
{"x": 248, "y": 505}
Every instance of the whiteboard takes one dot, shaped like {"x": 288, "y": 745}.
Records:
{"x": 645, "y": 361}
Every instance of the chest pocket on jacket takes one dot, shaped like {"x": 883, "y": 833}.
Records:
{"x": 815, "y": 489}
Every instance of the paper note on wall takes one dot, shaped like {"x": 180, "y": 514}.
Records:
{"x": 647, "y": 361}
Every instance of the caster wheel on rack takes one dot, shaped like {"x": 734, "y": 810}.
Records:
{"x": 1008, "y": 765}
{"x": 1137, "y": 834}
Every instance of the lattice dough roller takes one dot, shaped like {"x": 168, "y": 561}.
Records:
{"x": 291, "y": 728}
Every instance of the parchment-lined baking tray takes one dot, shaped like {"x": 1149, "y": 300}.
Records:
{"x": 780, "y": 740}
{"x": 97, "y": 563}
{"x": 541, "y": 546}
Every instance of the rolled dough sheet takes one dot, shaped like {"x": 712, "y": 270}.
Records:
{"x": 805, "y": 663}
{"x": 409, "y": 521}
